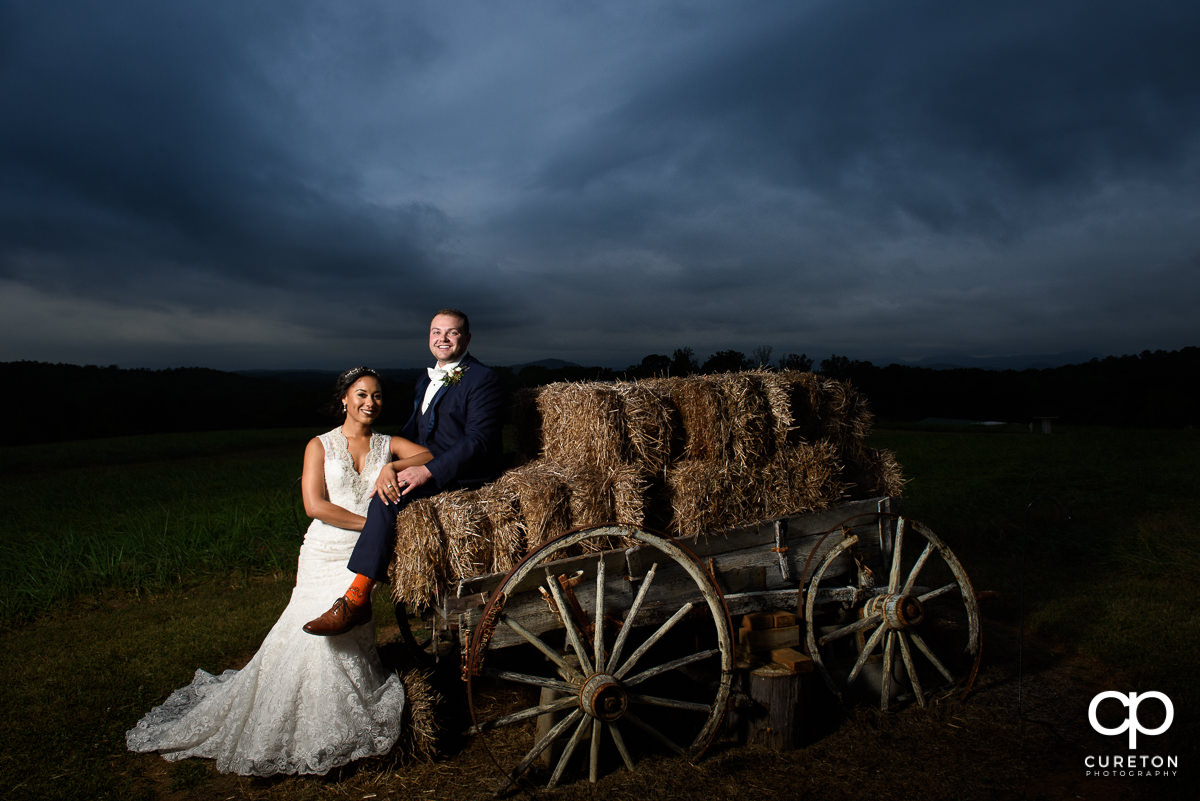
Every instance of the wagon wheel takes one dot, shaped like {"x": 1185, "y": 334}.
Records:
{"x": 916, "y": 631}
{"x": 617, "y": 670}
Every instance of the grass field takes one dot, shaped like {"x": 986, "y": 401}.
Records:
{"x": 126, "y": 564}
{"x": 142, "y": 514}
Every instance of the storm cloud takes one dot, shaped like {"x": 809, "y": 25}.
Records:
{"x": 300, "y": 184}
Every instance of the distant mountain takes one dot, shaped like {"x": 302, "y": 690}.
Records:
{"x": 549, "y": 364}
{"x": 405, "y": 375}
{"x": 1014, "y": 361}
{"x": 293, "y": 376}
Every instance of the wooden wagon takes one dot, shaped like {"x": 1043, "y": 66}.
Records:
{"x": 634, "y": 647}
{"x": 608, "y": 641}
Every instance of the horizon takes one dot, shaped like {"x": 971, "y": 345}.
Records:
{"x": 294, "y": 182}
{"x": 1016, "y": 362}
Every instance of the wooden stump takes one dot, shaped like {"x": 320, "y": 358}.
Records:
{"x": 775, "y": 691}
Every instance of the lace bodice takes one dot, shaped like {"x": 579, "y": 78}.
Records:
{"x": 348, "y": 487}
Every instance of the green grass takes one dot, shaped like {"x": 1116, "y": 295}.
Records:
{"x": 144, "y": 513}
{"x": 1092, "y": 535}
{"x": 74, "y": 682}
{"x": 126, "y": 564}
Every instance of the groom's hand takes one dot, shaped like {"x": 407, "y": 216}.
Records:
{"x": 410, "y": 478}
{"x": 392, "y": 484}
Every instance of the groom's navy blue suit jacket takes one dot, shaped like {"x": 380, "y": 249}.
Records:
{"x": 462, "y": 430}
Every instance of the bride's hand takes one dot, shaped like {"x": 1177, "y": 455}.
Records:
{"x": 387, "y": 487}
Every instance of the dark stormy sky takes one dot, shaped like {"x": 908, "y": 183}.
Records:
{"x": 291, "y": 183}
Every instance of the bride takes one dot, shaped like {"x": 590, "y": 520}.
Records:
{"x": 303, "y": 704}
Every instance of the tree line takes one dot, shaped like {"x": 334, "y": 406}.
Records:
{"x": 1151, "y": 389}
{"x": 60, "y": 402}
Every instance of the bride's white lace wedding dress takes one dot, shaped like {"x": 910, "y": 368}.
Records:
{"x": 302, "y": 704}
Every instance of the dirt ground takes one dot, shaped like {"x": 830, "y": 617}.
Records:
{"x": 1022, "y": 734}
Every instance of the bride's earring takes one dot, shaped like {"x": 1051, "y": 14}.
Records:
{"x": 343, "y": 408}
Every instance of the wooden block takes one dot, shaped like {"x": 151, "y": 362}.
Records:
{"x": 757, "y": 621}
{"x": 793, "y": 660}
{"x": 769, "y": 639}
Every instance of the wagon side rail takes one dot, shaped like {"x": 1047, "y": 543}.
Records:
{"x": 757, "y": 567}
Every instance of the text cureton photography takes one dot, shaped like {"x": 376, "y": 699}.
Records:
{"x": 1161, "y": 715}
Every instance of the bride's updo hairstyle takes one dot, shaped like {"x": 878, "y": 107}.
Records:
{"x": 343, "y": 384}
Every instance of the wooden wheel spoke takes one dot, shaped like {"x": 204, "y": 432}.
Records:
{"x": 619, "y": 742}
{"x": 537, "y": 643}
{"x": 858, "y": 625}
{"x": 659, "y": 633}
{"x": 594, "y": 756}
{"x": 937, "y": 663}
{"x": 627, "y": 627}
{"x": 916, "y": 569}
{"x": 655, "y": 733}
{"x": 668, "y": 666}
{"x": 897, "y": 555}
{"x": 670, "y": 703}
{"x": 938, "y": 593}
{"x": 525, "y": 714}
{"x": 913, "y": 679}
{"x": 598, "y": 639}
{"x": 538, "y": 747}
{"x": 564, "y": 612}
{"x": 565, "y": 757}
{"x": 867, "y": 650}
{"x": 885, "y": 683}
{"x": 534, "y": 681}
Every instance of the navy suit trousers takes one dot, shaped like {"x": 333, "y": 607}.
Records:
{"x": 377, "y": 542}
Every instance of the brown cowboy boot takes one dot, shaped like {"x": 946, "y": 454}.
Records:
{"x": 340, "y": 618}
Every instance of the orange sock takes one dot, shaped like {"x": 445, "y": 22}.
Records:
{"x": 360, "y": 590}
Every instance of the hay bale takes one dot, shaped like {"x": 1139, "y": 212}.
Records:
{"x": 590, "y": 493}
{"x": 702, "y": 413}
{"x": 503, "y": 508}
{"x": 582, "y": 424}
{"x": 803, "y": 478}
{"x": 874, "y": 471}
{"x": 468, "y": 533}
{"x": 777, "y": 388}
{"x": 821, "y": 408}
{"x": 419, "y": 572}
{"x": 604, "y": 497}
{"x": 705, "y": 496}
{"x": 850, "y": 418}
{"x": 421, "y": 731}
{"x": 630, "y": 487}
{"x": 543, "y": 497}
{"x": 751, "y": 421}
{"x": 652, "y": 424}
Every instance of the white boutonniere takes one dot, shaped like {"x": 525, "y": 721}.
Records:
{"x": 453, "y": 377}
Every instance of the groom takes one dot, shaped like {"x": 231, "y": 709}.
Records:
{"x": 456, "y": 415}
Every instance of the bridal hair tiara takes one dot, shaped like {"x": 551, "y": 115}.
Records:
{"x": 355, "y": 372}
